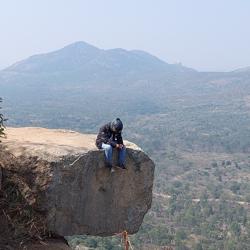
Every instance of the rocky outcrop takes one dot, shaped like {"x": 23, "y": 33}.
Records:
{"x": 62, "y": 175}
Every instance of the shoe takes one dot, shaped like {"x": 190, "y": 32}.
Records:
{"x": 122, "y": 166}
{"x": 112, "y": 170}
{"x": 108, "y": 165}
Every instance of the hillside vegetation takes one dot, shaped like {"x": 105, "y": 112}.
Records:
{"x": 194, "y": 125}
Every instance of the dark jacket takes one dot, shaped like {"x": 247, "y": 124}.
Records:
{"x": 107, "y": 136}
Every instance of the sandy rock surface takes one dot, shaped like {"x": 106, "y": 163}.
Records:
{"x": 50, "y": 144}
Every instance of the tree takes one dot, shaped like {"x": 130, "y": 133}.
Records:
{"x": 2, "y": 120}
{"x": 235, "y": 227}
{"x": 199, "y": 246}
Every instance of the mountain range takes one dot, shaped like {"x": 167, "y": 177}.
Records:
{"x": 81, "y": 78}
{"x": 81, "y": 56}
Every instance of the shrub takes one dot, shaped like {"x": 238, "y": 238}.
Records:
{"x": 2, "y": 120}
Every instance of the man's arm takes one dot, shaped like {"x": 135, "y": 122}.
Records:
{"x": 103, "y": 136}
{"x": 112, "y": 143}
{"x": 119, "y": 138}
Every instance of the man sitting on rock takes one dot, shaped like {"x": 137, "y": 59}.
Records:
{"x": 110, "y": 137}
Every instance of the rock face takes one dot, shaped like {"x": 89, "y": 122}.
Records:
{"x": 62, "y": 174}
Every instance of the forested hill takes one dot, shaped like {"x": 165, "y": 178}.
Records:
{"x": 84, "y": 61}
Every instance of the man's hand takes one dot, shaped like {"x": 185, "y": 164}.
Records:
{"x": 120, "y": 146}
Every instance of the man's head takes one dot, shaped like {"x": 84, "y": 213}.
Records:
{"x": 116, "y": 125}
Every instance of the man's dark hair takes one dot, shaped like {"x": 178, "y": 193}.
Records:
{"x": 117, "y": 125}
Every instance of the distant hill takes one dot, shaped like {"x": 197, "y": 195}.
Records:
{"x": 92, "y": 78}
{"x": 85, "y": 58}
{"x": 242, "y": 70}
{"x": 80, "y": 85}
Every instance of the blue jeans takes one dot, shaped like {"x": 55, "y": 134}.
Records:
{"x": 109, "y": 153}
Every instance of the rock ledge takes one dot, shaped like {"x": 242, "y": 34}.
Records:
{"x": 62, "y": 175}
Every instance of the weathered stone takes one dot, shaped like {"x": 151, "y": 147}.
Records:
{"x": 62, "y": 174}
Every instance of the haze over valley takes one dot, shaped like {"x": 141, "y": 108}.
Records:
{"x": 195, "y": 125}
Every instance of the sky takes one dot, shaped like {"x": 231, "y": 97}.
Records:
{"x": 207, "y": 35}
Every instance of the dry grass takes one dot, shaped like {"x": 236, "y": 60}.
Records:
{"x": 20, "y": 222}
{"x": 22, "y": 218}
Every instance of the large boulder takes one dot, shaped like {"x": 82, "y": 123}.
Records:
{"x": 62, "y": 174}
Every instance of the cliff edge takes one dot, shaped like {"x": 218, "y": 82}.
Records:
{"x": 61, "y": 174}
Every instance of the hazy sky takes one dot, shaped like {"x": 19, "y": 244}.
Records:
{"x": 203, "y": 34}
